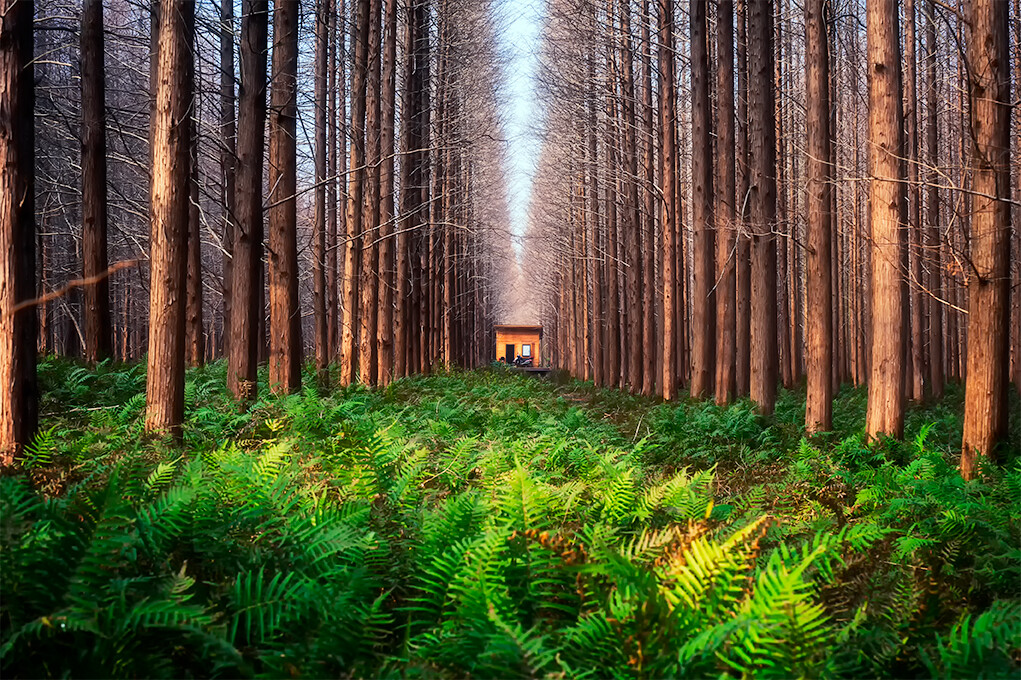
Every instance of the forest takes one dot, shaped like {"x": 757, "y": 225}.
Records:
{"x": 258, "y": 266}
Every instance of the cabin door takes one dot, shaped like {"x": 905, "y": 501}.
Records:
{"x": 509, "y": 354}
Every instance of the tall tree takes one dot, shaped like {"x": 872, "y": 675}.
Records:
{"x": 743, "y": 246}
{"x": 934, "y": 279}
{"x": 170, "y": 196}
{"x": 985, "y": 396}
{"x": 98, "y": 323}
{"x": 19, "y": 398}
{"x": 194, "y": 326}
{"x": 247, "y": 261}
{"x": 319, "y": 303}
{"x": 355, "y": 193}
{"x": 668, "y": 150}
{"x": 885, "y": 414}
{"x": 632, "y": 344}
{"x": 368, "y": 316}
{"x": 914, "y": 367}
{"x": 648, "y": 209}
{"x": 284, "y": 312}
{"x": 762, "y": 204}
{"x": 387, "y": 233}
{"x": 703, "y": 318}
{"x": 228, "y": 149}
{"x": 819, "y": 320}
{"x": 726, "y": 313}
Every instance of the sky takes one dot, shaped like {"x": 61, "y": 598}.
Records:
{"x": 521, "y": 21}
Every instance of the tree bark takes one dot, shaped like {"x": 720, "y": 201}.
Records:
{"x": 648, "y": 240}
{"x": 819, "y": 354}
{"x": 668, "y": 143}
{"x": 762, "y": 205}
{"x": 703, "y": 318}
{"x": 169, "y": 217}
{"x": 743, "y": 245}
{"x": 285, "y": 347}
{"x": 387, "y": 233}
{"x": 228, "y": 176}
{"x": 355, "y": 192}
{"x": 369, "y": 284}
{"x": 914, "y": 222}
{"x": 19, "y": 396}
{"x": 98, "y": 322}
{"x": 985, "y": 394}
{"x": 885, "y": 413}
{"x": 319, "y": 226}
{"x": 246, "y": 308}
{"x": 726, "y": 314}
{"x": 934, "y": 279}
{"x": 195, "y": 339}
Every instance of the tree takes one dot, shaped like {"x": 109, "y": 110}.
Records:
{"x": 762, "y": 204}
{"x": 885, "y": 414}
{"x": 387, "y": 234}
{"x": 284, "y": 313}
{"x": 356, "y": 189}
{"x": 319, "y": 305}
{"x": 228, "y": 149}
{"x": 985, "y": 396}
{"x": 726, "y": 313}
{"x": 667, "y": 116}
{"x": 934, "y": 279}
{"x": 171, "y": 174}
{"x": 368, "y": 316}
{"x": 246, "y": 308}
{"x": 819, "y": 331}
{"x": 19, "y": 399}
{"x": 98, "y": 324}
{"x": 703, "y": 319}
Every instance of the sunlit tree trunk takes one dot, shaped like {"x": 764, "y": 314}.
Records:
{"x": 668, "y": 142}
{"x": 985, "y": 396}
{"x": 819, "y": 354}
{"x": 648, "y": 241}
{"x": 19, "y": 398}
{"x": 355, "y": 194}
{"x": 387, "y": 235}
{"x": 170, "y": 196}
{"x": 885, "y": 413}
{"x": 285, "y": 315}
{"x": 369, "y": 284}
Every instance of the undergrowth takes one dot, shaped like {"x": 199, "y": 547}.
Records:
{"x": 493, "y": 525}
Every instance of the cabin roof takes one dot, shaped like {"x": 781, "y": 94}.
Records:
{"x": 516, "y": 327}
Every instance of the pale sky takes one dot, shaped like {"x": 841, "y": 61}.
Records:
{"x": 521, "y": 21}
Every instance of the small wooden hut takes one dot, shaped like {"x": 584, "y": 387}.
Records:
{"x": 514, "y": 340}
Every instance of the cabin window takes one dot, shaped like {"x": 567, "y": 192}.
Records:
{"x": 526, "y": 350}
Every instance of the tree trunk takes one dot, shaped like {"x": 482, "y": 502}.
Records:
{"x": 195, "y": 339}
{"x": 319, "y": 227}
{"x": 169, "y": 218}
{"x": 228, "y": 133}
{"x": 726, "y": 314}
{"x": 648, "y": 238}
{"x": 703, "y": 318}
{"x": 98, "y": 322}
{"x": 819, "y": 402}
{"x": 246, "y": 308}
{"x": 914, "y": 223}
{"x": 387, "y": 233}
{"x": 369, "y": 284}
{"x": 284, "y": 313}
{"x": 668, "y": 143}
{"x": 355, "y": 193}
{"x": 743, "y": 246}
{"x": 885, "y": 413}
{"x": 934, "y": 279}
{"x": 19, "y": 396}
{"x": 762, "y": 205}
{"x": 985, "y": 395}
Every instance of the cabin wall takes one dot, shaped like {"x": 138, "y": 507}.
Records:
{"x": 517, "y": 338}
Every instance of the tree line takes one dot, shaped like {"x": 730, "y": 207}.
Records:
{"x": 191, "y": 180}
{"x": 757, "y": 192}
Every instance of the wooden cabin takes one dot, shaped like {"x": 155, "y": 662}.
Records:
{"x": 513, "y": 340}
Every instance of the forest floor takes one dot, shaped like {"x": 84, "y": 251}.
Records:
{"x": 487, "y": 524}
